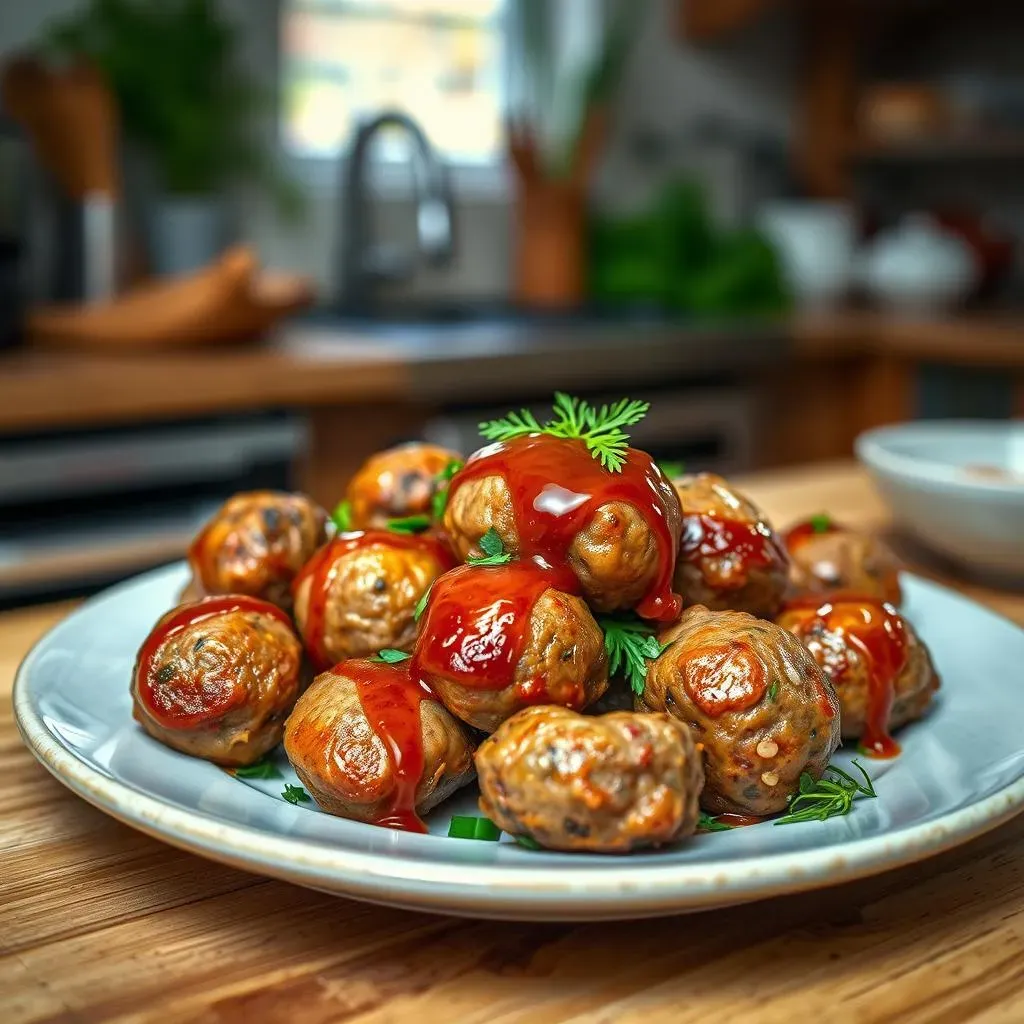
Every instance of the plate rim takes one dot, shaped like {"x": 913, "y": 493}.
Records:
{"x": 534, "y": 892}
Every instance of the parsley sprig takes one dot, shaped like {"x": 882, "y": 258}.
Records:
{"x": 295, "y": 794}
{"x": 443, "y": 479}
{"x": 630, "y": 644}
{"x": 602, "y": 429}
{"x": 410, "y": 524}
{"x": 707, "y": 823}
{"x": 493, "y": 549}
{"x": 342, "y": 516}
{"x": 390, "y": 656}
{"x": 829, "y": 796}
{"x": 263, "y": 769}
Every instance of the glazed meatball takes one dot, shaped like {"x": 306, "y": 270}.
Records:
{"x": 825, "y": 556}
{"x": 495, "y": 639}
{"x": 549, "y": 498}
{"x": 216, "y": 678}
{"x": 755, "y": 699}
{"x": 396, "y": 483}
{"x": 729, "y": 556}
{"x": 611, "y": 784}
{"x": 368, "y": 743}
{"x": 358, "y": 594}
{"x": 255, "y": 545}
{"x": 881, "y": 671}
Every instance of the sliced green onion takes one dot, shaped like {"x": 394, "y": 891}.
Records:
{"x": 464, "y": 826}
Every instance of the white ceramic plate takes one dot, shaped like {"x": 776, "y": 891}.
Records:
{"x": 961, "y": 773}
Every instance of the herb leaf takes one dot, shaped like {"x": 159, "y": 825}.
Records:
{"x": 439, "y": 502}
{"x": 421, "y": 605}
{"x": 342, "y": 516}
{"x": 295, "y": 794}
{"x": 821, "y": 523}
{"x": 630, "y": 644}
{"x": 463, "y": 826}
{"x": 259, "y": 770}
{"x": 390, "y": 656}
{"x": 773, "y": 690}
{"x": 528, "y": 842}
{"x": 409, "y": 524}
{"x": 672, "y": 469}
{"x": 829, "y": 796}
{"x": 600, "y": 429}
{"x": 706, "y": 823}
{"x": 493, "y": 549}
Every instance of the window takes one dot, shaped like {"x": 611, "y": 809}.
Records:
{"x": 438, "y": 60}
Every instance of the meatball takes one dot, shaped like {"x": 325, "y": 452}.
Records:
{"x": 368, "y": 743}
{"x": 495, "y": 639}
{"x": 755, "y": 699}
{"x": 881, "y": 671}
{"x": 729, "y": 556}
{"x": 358, "y": 594}
{"x": 825, "y": 556}
{"x": 396, "y": 483}
{"x": 549, "y": 498}
{"x": 255, "y": 545}
{"x": 216, "y": 678}
{"x": 611, "y": 784}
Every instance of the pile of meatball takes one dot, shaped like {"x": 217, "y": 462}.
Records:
{"x": 281, "y": 629}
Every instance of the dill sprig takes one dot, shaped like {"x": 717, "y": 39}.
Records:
{"x": 630, "y": 644}
{"x": 829, "y": 796}
{"x": 602, "y": 429}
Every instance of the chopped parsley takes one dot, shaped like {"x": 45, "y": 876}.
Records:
{"x": 295, "y": 794}
{"x": 630, "y": 643}
{"x": 259, "y": 770}
{"x": 493, "y": 549}
{"x": 390, "y": 656}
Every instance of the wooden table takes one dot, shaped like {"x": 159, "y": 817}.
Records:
{"x": 98, "y": 922}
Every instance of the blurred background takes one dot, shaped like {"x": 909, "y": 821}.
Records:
{"x": 245, "y": 243}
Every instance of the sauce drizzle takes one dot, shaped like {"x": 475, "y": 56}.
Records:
{"x": 711, "y": 536}
{"x": 556, "y": 487}
{"x": 191, "y": 701}
{"x": 876, "y": 631}
{"x": 322, "y": 569}
{"x": 391, "y": 701}
{"x": 474, "y": 628}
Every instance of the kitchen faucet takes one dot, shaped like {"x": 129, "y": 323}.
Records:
{"x": 365, "y": 265}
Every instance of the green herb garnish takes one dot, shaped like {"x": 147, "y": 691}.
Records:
{"x": 440, "y": 500}
{"x": 467, "y": 827}
{"x": 390, "y": 656}
{"x": 528, "y": 842}
{"x": 600, "y": 429}
{"x": 493, "y": 549}
{"x": 421, "y": 604}
{"x": 409, "y": 524}
{"x": 672, "y": 469}
{"x": 821, "y": 523}
{"x": 630, "y": 644}
{"x": 295, "y": 794}
{"x": 705, "y": 823}
{"x": 773, "y": 690}
{"x": 260, "y": 770}
{"x": 827, "y": 797}
{"x": 342, "y": 516}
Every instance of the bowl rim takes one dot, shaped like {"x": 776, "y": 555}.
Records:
{"x": 870, "y": 447}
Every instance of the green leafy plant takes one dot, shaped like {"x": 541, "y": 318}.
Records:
{"x": 706, "y": 823}
{"x": 630, "y": 644}
{"x": 295, "y": 794}
{"x": 184, "y": 100}
{"x": 443, "y": 480}
{"x": 493, "y": 549}
{"x": 600, "y": 429}
{"x": 260, "y": 770}
{"x": 409, "y": 524}
{"x": 827, "y": 797}
{"x": 342, "y": 516}
{"x": 390, "y": 656}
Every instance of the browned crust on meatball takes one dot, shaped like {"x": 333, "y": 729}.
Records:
{"x": 845, "y": 559}
{"x": 344, "y": 764}
{"x": 913, "y": 688}
{"x": 255, "y": 544}
{"x": 371, "y": 601}
{"x": 616, "y": 556}
{"x": 563, "y": 662}
{"x": 609, "y": 784}
{"x": 723, "y": 582}
{"x": 261, "y": 656}
{"x": 395, "y": 483}
{"x": 754, "y": 698}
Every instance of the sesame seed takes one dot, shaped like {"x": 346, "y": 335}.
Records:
{"x": 767, "y": 748}
{"x": 770, "y": 779}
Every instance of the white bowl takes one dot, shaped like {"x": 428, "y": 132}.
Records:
{"x": 956, "y": 485}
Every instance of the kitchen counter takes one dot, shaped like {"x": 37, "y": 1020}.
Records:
{"x": 98, "y": 922}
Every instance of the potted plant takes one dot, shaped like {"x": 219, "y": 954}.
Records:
{"x": 189, "y": 109}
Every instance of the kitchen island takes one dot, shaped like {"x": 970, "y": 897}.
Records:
{"x": 101, "y": 923}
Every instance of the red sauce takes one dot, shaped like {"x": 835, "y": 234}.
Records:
{"x": 322, "y": 569}
{"x": 474, "y": 628}
{"x": 557, "y": 486}
{"x": 751, "y": 545}
{"x": 876, "y": 631}
{"x": 723, "y": 676}
{"x": 739, "y": 820}
{"x": 391, "y": 702}
{"x": 801, "y": 533}
{"x": 181, "y": 702}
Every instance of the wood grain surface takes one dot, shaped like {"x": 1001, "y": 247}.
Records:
{"x": 100, "y": 923}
